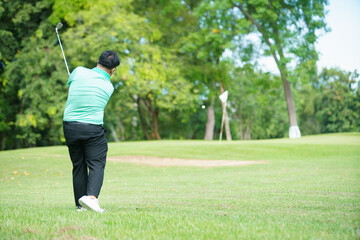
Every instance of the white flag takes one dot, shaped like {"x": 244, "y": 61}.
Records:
{"x": 223, "y": 97}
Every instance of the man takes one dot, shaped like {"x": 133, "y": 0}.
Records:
{"x": 89, "y": 92}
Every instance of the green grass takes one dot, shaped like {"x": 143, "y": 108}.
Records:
{"x": 309, "y": 189}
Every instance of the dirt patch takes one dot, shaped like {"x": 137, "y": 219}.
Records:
{"x": 69, "y": 228}
{"x": 28, "y": 230}
{"x": 178, "y": 162}
{"x": 88, "y": 238}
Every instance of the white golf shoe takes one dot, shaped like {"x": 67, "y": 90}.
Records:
{"x": 90, "y": 204}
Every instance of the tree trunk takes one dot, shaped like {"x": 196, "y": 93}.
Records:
{"x": 153, "y": 122}
{"x": 227, "y": 125}
{"x": 210, "y": 124}
{"x": 294, "y": 131}
{"x": 143, "y": 125}
{"x": 113, "y": 133}
{"x": 156, "y": 134}
{"x": 290, "y": 103}
{"x": 245, "y": 134}
{"x": 121, "y": 130}
{"x": 154, "y": 113}
{"x": 241, "y": 127}
{"x": 248, "y": 131}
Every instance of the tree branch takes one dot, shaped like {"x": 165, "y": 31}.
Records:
{"x": 260, "y": 29}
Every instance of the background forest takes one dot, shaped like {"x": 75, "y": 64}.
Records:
{"x": 177, "y": 57}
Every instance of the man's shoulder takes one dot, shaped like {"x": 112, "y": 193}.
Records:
{"x": 83, "y": 72}
{"x": 82, "y": 69}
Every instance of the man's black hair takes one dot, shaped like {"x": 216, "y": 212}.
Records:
{"x": 109, "y": 59}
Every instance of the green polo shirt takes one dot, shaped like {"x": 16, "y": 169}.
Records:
{"x": 89, "y": 92}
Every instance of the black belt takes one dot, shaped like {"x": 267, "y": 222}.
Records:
{"x": 80, "y": 123}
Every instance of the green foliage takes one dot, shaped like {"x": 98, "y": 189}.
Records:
{"x": 338, "y": 106}
{"x": 174, "y": 60}
{"x": 169, "y": 87}
{"x": 41, "y": 93}
{"x": 286, "y": 29}
{"x": 331, "y": 102}
{"x": 21, "y": 22}
{"x": 307, "y": 108}
{"x": 257, "y": 105}
{"x": 66, "y": 9}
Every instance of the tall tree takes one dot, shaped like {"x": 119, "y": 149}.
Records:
{"x": 20, "y": 21}
{"x": 288, "y": 29}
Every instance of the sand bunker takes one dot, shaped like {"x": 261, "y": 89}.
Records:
{"x": 177, "y": 162}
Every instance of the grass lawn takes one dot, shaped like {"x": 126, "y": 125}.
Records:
{"x": 308, "y": 189}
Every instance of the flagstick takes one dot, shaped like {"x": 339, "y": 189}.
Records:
{"x": 223, "y": 120}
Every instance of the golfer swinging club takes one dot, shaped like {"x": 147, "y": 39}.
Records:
{"x": 89, "y": 92}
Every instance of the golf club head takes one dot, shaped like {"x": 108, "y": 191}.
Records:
{"x": 59, "y": 25}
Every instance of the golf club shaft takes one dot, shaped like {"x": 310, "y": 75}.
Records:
{"x": 67, "y": 68}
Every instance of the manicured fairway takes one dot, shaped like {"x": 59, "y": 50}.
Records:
{"x": 309, "y": 188}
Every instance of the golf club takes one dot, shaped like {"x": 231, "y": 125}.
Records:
{"x": 58, "y": 26}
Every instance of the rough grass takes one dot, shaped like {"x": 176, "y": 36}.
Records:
{"x": 309, "y": 189}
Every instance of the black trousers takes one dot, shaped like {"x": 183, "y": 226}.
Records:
{"x": 87, "y": 148}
